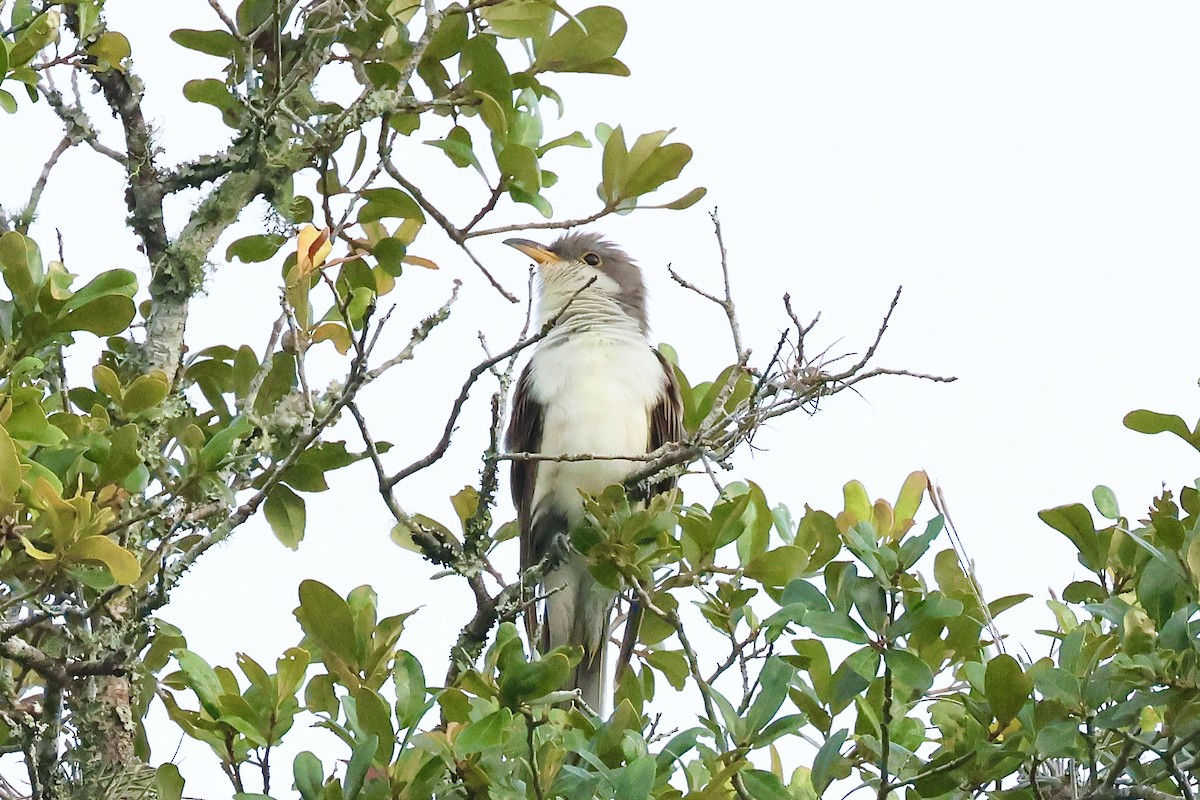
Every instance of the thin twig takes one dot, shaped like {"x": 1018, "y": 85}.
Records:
{"x": 457, "y": 236}
{"x": 229, "y": 23}
{"x": 35, "y": 196}
{"x": 540, "y": 226}
{"x": 727, "y": 305}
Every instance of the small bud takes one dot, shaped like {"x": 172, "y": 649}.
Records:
{"x": 294, "y": 342}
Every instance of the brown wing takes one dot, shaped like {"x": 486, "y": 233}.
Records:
{"x": 524, "y": 435}
{"x": 666, "y": 425}
{"x": 666, "y": 419}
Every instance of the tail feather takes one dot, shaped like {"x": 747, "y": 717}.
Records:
{"x": 591, "y": 679}
{"x": 577, "y": 614}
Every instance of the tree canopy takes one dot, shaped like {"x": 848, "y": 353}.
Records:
{"x": 846, "y": 651}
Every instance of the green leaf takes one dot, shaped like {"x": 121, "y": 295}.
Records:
{"x": 110, "y": 48}
{"x": 788, "y": 725}
{"x": 853, "y": 676}
{"x": 104, "y": 316}
{"x": 200, "y": 679}
{"x": 483, "y": 733}
{"x": 325, "y": 616}
{"x": 635, "y": 780}
{"x": 113, "y": 281}
{"x": 1144, "y": 421}
{"x": 529, "y": 681}
{"x": 458, "y": 147}
{"x": 836, "y": 625}
{"x": 913, "y": 548}
{"x": 1158, "y": 588}
{"x": 826, "y": 766}
{"x": 39, "y": 33}
{"x": 145, "y": 392}
{"x": 1082, "y": 592}
{"x": 1106, "y": 502}
{"x": 662, "y": 165}
{"x": 773, "y": 684}
{"x": 20, "y": 262}
{"x": 360, "y": 762}
{"x": 1075, "y": 522}
{"x": 687, "y": 201}
{"x": 305, "y": 478}
{"x": 309, "y": 775}
{"x": 168, "y": 783}
{"x": 215, "y": 93}
{"x": 909, "y": 670}
{"x": 7, "y": 101}
{"x": 763, "y": 785}
{"x": 612, "y": 165}
{"x": 389, "y": 202}
{"x": 222, "y": 442}
{"x": 1007, "y": 687}
{"x": 575, "y": 139}
{"x": 777, "y": 568}
{"x": 522, "y": 19}
{"x": 289, "y": 672}
{"x": 253, "y": 14}
{"x": 857, "y": 501}
{"x": 121, "y": 563}
{"x": 519, "y": 168}
{"x": 1192, "y": 557}
{"x": 285, "y": 512}
{"x": 10, "y": 472}
{"x": 998, "y": 606}
{"x": 255, "y": 249}
{"x": 672, "y": 664}
{"x": 372, "y": 716}
{"x": 214, "y": 43}
{"x": 585, "y": 44}
{"x": 449, "y": 39}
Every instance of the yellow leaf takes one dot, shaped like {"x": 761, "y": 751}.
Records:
{"x": 882, "y": 518}
{"x": 10, "y": 473}
{"x": 335, "y": 333}
{"x": 32, "y": 550}
{"x": 107, "y": 383}
{"x": 58, "y": 516}
{"x": 858, "y": 506}
{"x": 1193, "y": 560}
{"x": 911, "y": 494}
{"x": 419, "y": 262}
{"x": 312, "y": 248}
{"x": 121, "y": 563}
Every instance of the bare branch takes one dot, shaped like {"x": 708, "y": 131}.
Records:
{"x": 77, "y": 124}
{"x": 540, "y": 226}
{"x": 727, "y": 305}
{"x": 419, "y": 334}
{"x": 456, "y": 236}
{"x": 229, "y": 23}
{"x": 35, "y": 196}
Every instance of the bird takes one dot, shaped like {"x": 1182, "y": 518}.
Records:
{"x": 594, "y": 385}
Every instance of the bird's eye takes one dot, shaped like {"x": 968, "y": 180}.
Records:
{"x": 591, "y": 259}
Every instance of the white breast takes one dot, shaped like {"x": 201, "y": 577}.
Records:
{"x": 597, "y": 391}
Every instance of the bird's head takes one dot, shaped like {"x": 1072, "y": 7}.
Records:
{"x": 574, "y": 259}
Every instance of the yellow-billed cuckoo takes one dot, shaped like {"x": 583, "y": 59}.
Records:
{"x": 593, "y": 386}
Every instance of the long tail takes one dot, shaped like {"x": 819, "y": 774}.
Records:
{"x": 590, "y": 679}
{"x": 577, "y": 612}
{"x": 633, "y": 624}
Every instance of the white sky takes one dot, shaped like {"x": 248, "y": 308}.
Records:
{"x": 1028, "y": 172}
